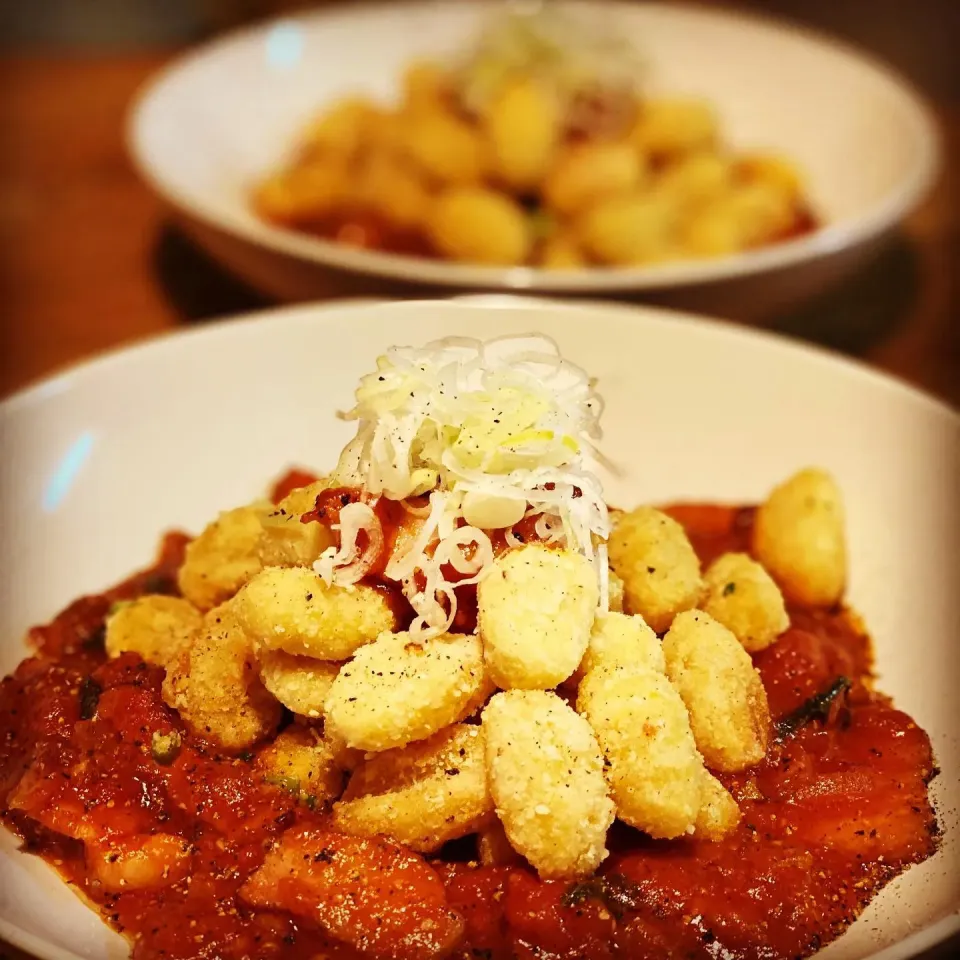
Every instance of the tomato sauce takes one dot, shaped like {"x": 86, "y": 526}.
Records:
{"x": 837, "y": 808}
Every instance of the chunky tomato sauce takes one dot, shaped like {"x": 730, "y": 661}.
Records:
{"x": 838, "y": 808}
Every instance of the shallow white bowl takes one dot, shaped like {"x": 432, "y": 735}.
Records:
{"x": 99, "y": 461}
{"x": 220, "y": 117}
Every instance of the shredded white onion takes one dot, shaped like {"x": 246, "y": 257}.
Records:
{"x": 504, "y": 420}
{"x": 349, "y": 563}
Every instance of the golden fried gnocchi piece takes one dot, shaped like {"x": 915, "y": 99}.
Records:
{"x": 342, "y": 129}
{"x": 421, "y": 795}
{"x": 493, "y": 847}
{"x": 294, "y": 610}
{"x": 285, "y": 541}
{"x": 522, "y": 124}
{"x": 661, "y": 573}
{"x": 392, "y": 190}
{"x": 723, "y": 692}
{"x": 445, "y": 148}
{"x": 719, "y": 813}
{"x": 546, "y": 777}
{"x": 617, "y": 638}
{"x": 799, "y": 537}
{"x": 535, "y": 610}
{"x": 157, "y": 628}
{"x": 673, "y": 126}
{"x": 424, "y": 85}
{"x": 222, "y": 559}
{"x": 398, "y": 690}
{"x": 696, "y": 179}
{"x": 479, "y": 225}
{"x": 653, "y": 767}
{"x": 561, "y": 252}
{"x": 742, "y": 596}
{"x": 215, "y": 686}
{"x": 586, "y": 173}
{"x": 628, "y": 228}
{"x": 301, "y": 684}
{"x": 304, "y": 192}
{"x": 301, "y": 762}
{"x": 369, "y": 893}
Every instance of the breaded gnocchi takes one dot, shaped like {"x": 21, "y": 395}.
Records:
{"x": 546, "y": 777}
{"x": 617, "y": 638}
{"x": 301, "y": 684}
{"x": 652, "y": 764}
{"x": 421, "y": 795}
{"x": 222, "y": 559}
{"x": 653, "y": 556}
{"x": 479, "y": 225}
{"x": 798, "y": 535}
{"x": 398, "y": 690}
{"x": 628, "y": 228}
{"x": 671, "y": 127}
{"x": 535, "y": 611}
{"x": 215, "y": 686}
{"x": 448, "y": 149}
{"x": 586, "y": 173}
{"x": 293, "y": 610}
{"x": 522, "y": 125}
{"x": 287, "y": 542}
{"x": 722, "y": 690}
{"x": 301, "y": 762}
{"x": 719, "y": 813}
{"x": 156, "y": 627}
{"x": 742, "y": 596}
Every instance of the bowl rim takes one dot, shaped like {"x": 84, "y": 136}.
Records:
{"x": 248, "y": 322}
{"x": 821, "y": 243}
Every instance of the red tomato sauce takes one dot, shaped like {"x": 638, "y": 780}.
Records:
{"x": 835, "y": 811}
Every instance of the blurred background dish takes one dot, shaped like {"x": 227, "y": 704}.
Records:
{"x": 215, "y": 123}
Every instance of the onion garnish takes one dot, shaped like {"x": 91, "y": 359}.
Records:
{"x": 489, "y": 433}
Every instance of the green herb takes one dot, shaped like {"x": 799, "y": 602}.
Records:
{"x": 165, "y": 747}
{"x": 89, "y": 693}
{"x": 818, "y": 707}
{"x": 117, "y": 606}
{"x": 613, "y": 890}
{"x": 290, "y": 784}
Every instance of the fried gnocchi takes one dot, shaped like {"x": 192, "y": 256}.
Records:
{"x": 799, "y": 537}
{"x": 421, "y": 795}
{"x": 215, "y": 686}
{"x": 619, "y": 639}
{"x": 285, "y": 541}
{"x": 652, "y": 554}
{"x": 535, "y": 611}
{"x": 301, "y": 762}
{"x": 398, "y": 690}
{"x": 719, "y": 813}
{"x": 156, "y": 627}
{"x": 222, "y": 559}
{"x": 652, "y": 764}
{"x": 722, "y": 690}
{"x": 301, "y": 684}
{"x": 546, "y": 777}
{"x": 742, "y": 596}
{"x": 293, "y": 610}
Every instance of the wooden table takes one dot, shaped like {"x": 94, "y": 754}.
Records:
{"x": 89, "y": 261}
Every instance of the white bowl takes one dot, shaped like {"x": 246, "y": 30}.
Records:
{"x": 99, "y": 461}
{"x": 220, "y": 117}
